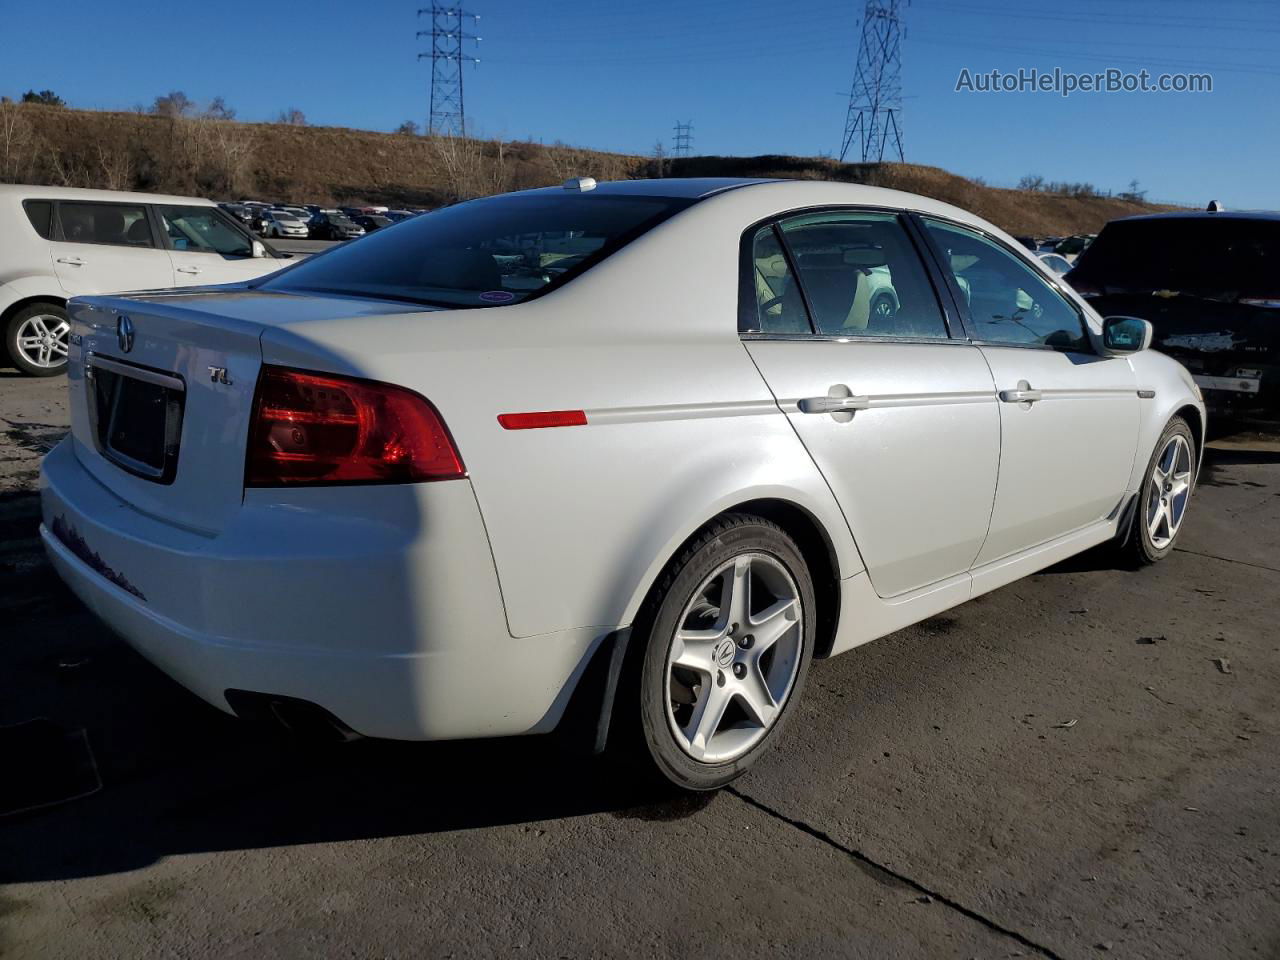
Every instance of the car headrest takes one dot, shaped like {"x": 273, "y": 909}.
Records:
{"x": 108, "y": 225}
{"x": 460, "y": 270}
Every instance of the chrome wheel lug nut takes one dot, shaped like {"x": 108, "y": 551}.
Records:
{"x": 739, "y": 670}
{"x": 719, "y": 678}
{"x": 746, "y": 642}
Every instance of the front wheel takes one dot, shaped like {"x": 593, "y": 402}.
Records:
{"x": 728, "y": 636}
{"x": 1164, "y": 496}
{"x": 36, "y": 338}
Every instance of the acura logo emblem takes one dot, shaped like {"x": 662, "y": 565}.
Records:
{"x": 124, "y": 334}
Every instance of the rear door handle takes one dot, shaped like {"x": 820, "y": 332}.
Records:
{"x": 74, "y": 261}
{"x": 188, "y": 269}
{"x": 1023, "y": 394}
{"x": 833, "y": 404}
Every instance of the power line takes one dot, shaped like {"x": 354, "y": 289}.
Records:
{"x": 447, "y": 116}
{"x": 873, "y": 118}
{"x": 683, "y": 139}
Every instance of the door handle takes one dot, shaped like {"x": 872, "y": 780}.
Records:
{"x": 188, "y": 269}
{"x": 1023, "y": 394}
{"x": 833, "y": 404}
{"x": 74, "y": 261}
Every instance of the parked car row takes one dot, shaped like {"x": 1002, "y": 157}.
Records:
{"x": 1068, "y": 248}
{"x": 312, "y": 221}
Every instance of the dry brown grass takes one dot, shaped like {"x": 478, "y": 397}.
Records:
{"x": 300, "y": 164}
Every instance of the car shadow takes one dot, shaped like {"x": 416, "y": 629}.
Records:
{"x": 179, "y": 776}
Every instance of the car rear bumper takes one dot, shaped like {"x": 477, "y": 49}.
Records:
{"x": 390, "y": 621}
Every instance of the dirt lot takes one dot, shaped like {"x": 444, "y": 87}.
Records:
{"x": 931, "y": 799}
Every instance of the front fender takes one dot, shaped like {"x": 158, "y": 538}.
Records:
{"x": 1166, "y": 387}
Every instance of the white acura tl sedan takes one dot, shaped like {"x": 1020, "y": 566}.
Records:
{"x": 629, "y": 452}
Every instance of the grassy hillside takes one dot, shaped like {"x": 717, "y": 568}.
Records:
{"x": 229, "y": 160}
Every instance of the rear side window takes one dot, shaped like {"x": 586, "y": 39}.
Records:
{"x": 862, "y": 276}
{"x": 779, "y": 306}
{"x": 485, "y": 252}
{"x": 40, "y": 213}
{"x": 119, "y": 224}
{"x": 203, "y": 230}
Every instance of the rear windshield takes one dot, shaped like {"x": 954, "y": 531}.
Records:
{"x": 1219, "y": 258}
{"x": 482, "y": 253}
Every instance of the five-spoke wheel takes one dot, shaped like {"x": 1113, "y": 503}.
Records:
{"x": 734, "y": 657}
{"x": 1166, "y": 491}
{"x": 726, "y": 639}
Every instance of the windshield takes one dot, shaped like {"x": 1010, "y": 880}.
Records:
{"x": 1216, "y": 258}
{"x": 486, "y": 252}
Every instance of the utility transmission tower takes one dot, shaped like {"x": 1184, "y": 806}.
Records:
{"x": 447, "y": 117}
{"x": 874, "y": 121}
{"x": 683, "y": 139}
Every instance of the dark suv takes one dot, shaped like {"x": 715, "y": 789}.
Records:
{"x": 1210, "y": 285}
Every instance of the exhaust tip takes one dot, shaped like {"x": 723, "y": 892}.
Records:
{"x": 295, "y": 717}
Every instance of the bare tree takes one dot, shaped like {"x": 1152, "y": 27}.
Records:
{"x": 116, "y": 165}
{"x": 409, "y": 128}
{"x": 17, "y": 143}
{"x": 218, "y": 110}
{"x": 292, "y": 116}
{"x": 231, "y": 154}
{"x": 659, "y": 157}
{"x": 467, "y": 168}
{"x": 173, "y": 104}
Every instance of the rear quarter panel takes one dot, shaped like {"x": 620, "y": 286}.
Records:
{"x": 681, "y": 424}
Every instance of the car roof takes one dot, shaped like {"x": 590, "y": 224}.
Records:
{"x": 1206, "y": 215}
{"x": 691, "y": 188}
{"x": 29, "y": 192}
{"x": 782, "y": 192}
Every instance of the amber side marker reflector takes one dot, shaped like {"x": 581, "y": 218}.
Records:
{"x": 547, "y": 418}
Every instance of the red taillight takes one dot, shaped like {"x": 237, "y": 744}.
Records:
{"x": 311, "y": 428}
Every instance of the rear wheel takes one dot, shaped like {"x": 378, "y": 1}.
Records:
{"x": 1165, "y": 495}
{"x": 36, "y": 337}
{"x": 727, "y": 639}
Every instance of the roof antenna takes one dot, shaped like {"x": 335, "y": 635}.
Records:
{"x": 580, "y": 184}
{"x": 1215, "y": 207}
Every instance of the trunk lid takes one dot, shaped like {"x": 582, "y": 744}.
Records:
{"x": 164, "y": 423}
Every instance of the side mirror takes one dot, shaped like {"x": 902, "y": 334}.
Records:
{"x": 259, "y": 249}
{"x": 1126, "y": 334}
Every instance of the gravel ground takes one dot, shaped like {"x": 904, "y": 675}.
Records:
{"x": 932, "y": 797}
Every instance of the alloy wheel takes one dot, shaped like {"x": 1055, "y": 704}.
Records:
{"x": 42, "y": 339}
{"x": 734, "y": 658}
{"x": 1168, "y": 490}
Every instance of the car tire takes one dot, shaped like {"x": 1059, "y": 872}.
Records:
{"x": 752, "y": 672}
{"x": 1163, "y": 498}
{"x": 48, "y": 322}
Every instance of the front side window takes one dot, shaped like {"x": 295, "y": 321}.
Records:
{"x": 1009, "y": 301}
{"x": 483, "y": 253}
{"x": 118, "y": 224}
{"x": 862, "y": 276}
{"x": 202, "y": 230}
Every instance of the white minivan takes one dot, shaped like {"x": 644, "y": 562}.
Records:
{"x": 63, "y": 242}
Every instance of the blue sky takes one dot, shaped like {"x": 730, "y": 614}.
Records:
{"x": 754, "y": 76}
